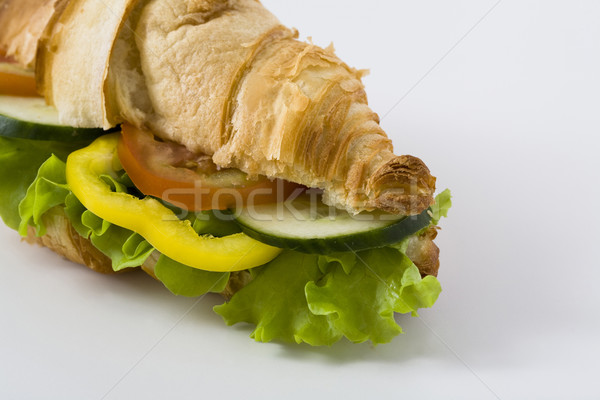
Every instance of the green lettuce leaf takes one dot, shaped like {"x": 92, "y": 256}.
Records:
{"x": 213, "y": 223}
{"x": 48, "y": 190}
{"x": 319, "y": 299}
{"x": 20, "y": 160}
{"x": 276, "y": 303}
{"x": 346, "y": 260}
{"x": 362, "y": 302}
{"x": 443, "y": 202}
{"x": 125, "y": 248}
{"x": 186, "y": 281}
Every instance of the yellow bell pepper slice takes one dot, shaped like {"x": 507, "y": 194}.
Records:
{"x": 155, "y": 222}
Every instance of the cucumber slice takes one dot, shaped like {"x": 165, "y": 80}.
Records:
{"x": 299, "y": 226}
{"x": 31, "y": 118}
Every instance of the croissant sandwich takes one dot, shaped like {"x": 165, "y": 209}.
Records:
{"x": 203, "y": 142}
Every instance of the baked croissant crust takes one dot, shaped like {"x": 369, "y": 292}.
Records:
{"x": 225, "y": 78}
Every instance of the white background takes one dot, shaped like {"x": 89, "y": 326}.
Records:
{"x": 506, "y": 112}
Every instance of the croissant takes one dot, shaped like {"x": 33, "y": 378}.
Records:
{"x": 225, "y": 78}
{"x": 195, "y": 81}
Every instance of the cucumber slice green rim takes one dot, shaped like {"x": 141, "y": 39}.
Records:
{"x": 314, "y": 230}
{"x": 31, "y": 118}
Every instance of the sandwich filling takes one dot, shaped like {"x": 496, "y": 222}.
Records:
{"x": 201, "y": 142}
{"x": 289, "y": 295}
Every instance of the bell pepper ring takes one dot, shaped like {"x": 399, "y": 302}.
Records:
{"x": 171, "y": 236}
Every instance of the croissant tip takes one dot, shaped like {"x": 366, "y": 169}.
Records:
{"x": 404, "y": 185}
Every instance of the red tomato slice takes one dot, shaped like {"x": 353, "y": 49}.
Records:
{"x": 190, "y": 181}
{"x": 16, "y": 82}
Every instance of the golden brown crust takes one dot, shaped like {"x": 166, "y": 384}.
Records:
{"x": 403, "y": 185}
{"x": 62, "y": 238}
